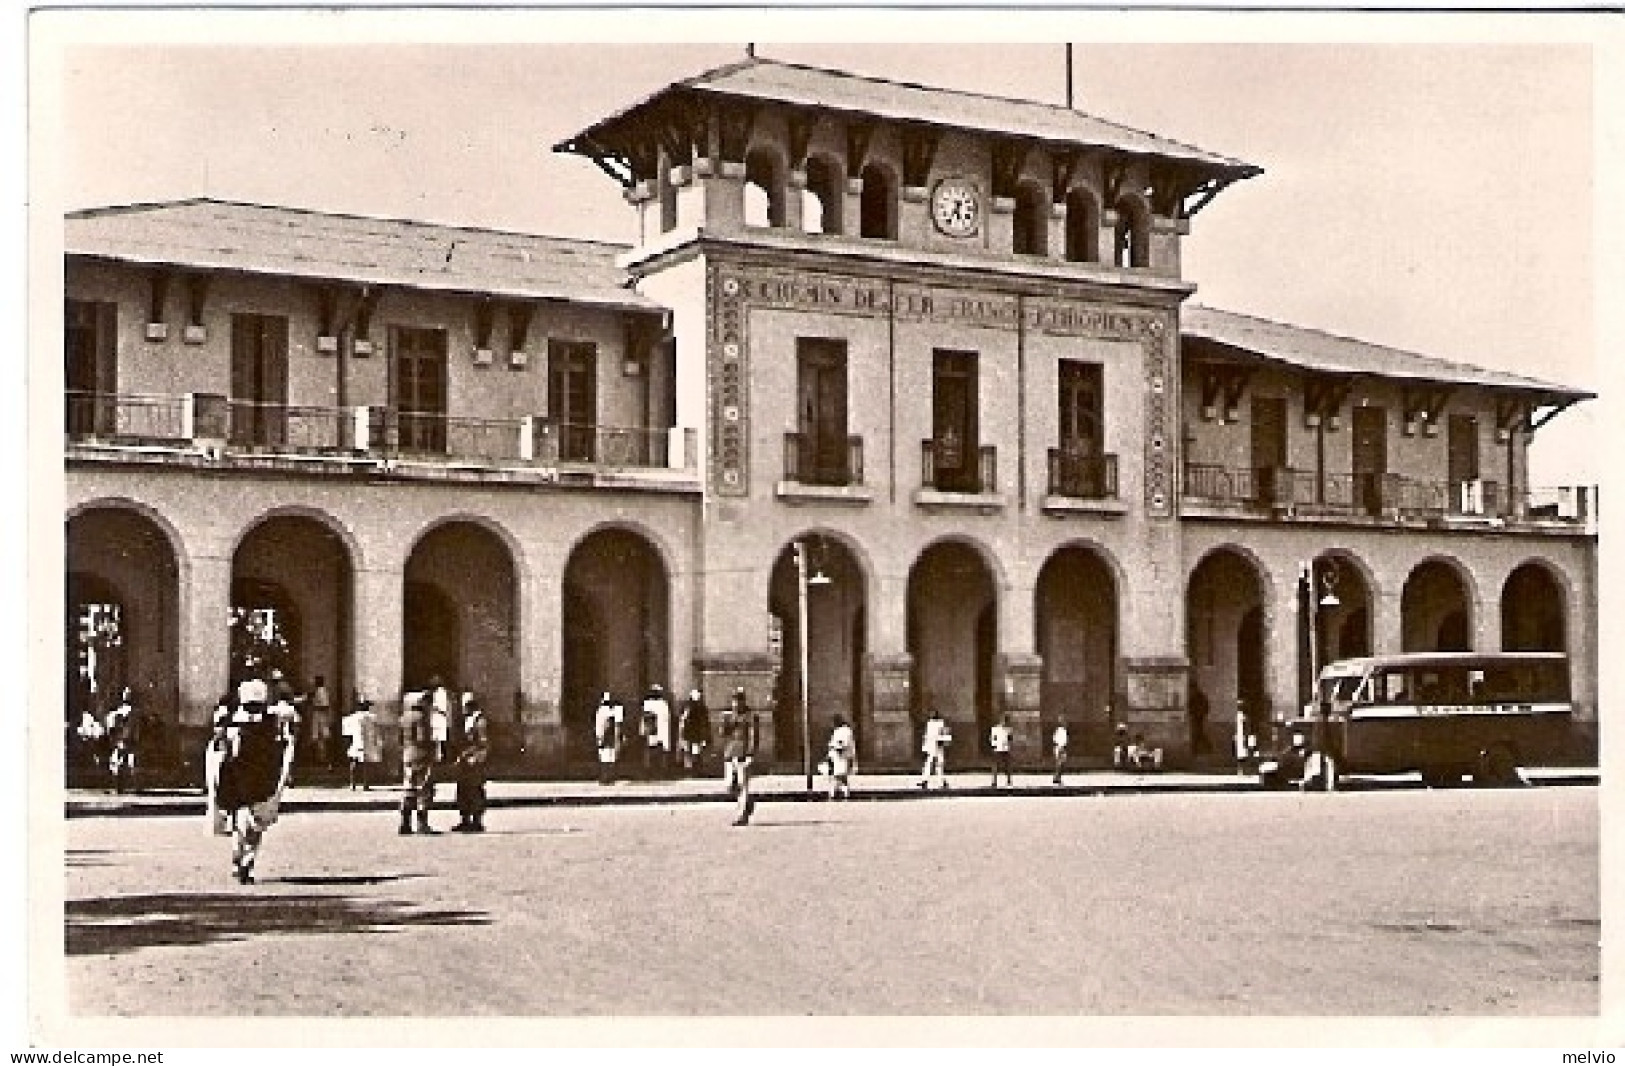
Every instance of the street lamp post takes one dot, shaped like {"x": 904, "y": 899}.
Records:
{"x": 803, "y": 581}
{"x": 1316, "y": 597}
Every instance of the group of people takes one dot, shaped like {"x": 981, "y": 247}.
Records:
{"x": 650, "y": 739}
{"x": 439, "y": 739}
{"x": 938, "y": 735}
{"x": 114, "y": 741}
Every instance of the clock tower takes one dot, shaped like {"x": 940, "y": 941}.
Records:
{"x": 932, "y": 337}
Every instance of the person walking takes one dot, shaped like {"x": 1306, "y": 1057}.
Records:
{"x": 693, "y": 730}
{"x": 843, "y": 758}
{"x": 998, "y": 738}
{"x": 471, "y": 761}
{"x": 657, "y": 722}
{"x": 1059, "y": 740}
{"x": 738, "y": 752}
{"x": 607, "y": 737}
{"x": 124, "y": 741}
{"x": 417, "y": 763}
{"x": 934, "y": 745}
{"x": 355, "y": 728}
{"x": 247, "y": 764}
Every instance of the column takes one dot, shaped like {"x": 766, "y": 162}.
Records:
{"x": 205, "y": 640}
{"x": 1018, "y": 673}
{"x": 889, "y": 732}
{"x": 379, "y": 618}
{"x": 540, "y": 728}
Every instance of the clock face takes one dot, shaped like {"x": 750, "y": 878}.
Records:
{"x": 956, "y": 207}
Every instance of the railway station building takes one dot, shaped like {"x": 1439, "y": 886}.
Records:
{"x": 900, "y": 401}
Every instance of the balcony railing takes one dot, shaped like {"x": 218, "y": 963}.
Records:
{"x": 943, "y": 467}
{"x": 1380, "y": 495}
{"x": 806, "y": 463}
{"x": 1084, "y": 477}
{"x": 125, "y": 416}
{"x": 241, "y": 426}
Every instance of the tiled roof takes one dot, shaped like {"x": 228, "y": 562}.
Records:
{"x": 292, "y": 243}
{"x": 1312, "y": 349}
{"x": 791, "y": 83}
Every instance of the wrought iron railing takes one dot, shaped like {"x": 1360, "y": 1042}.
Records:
{"x": 808, "y": 461}
{"x": 943, "y": 467}
{"x": 267, "y": 428}
{"x": 1396, "y": 495}
{"x": 127, "y": 416}
{"x": 1084, "y": 477}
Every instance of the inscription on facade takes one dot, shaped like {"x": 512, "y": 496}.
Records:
{"x": 732, "y": 292}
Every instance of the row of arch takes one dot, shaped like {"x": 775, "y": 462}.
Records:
{"x": 293, "y": 605}
{"x": 768, "y": 190}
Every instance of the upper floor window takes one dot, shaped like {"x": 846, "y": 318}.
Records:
{"x": 1079, "y": 465}
{"x": 572, "y": 397}
{"x": 1132, "y": 239}
{"x": 878, "y": 207}
{"x": 259, "y": 379}
{"x": 1082, "y": 227}
{"x": 956, "y": 444}
{"x": 1030, "y": 229}
{"x": 821, "y": 202}
{"x": 764, "y": 188}
{"x": 822, "y": 444}
{"x": 91, "y": 368}
{"x": 418, "y": 387}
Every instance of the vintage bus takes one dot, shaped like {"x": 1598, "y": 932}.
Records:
{"x": 1444, "y": 715}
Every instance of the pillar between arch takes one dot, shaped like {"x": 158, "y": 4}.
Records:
{"x": 205, "y": 638}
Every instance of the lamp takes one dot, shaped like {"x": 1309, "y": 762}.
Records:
{"x": 803, "y": 581}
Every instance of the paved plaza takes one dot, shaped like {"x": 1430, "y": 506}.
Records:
{"x": 1415, "y": 902}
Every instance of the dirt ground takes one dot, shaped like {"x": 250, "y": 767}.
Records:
{"x": 1460, "y": 902}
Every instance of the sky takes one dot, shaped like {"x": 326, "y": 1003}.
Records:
{"x": 1431, "y": 196}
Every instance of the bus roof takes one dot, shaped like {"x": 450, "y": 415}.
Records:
{"x": 1355, "y": 667}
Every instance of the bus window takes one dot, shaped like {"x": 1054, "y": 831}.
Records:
{"x": 1393, "y": 687}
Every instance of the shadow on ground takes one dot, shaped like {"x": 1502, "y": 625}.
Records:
{"x": 127, "y": 923}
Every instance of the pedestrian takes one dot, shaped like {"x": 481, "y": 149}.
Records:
{"x": 693, "y": 730}
{"x": 1198, "y": 711}
{"x": 843, "y": 759}
{"x": 439, "y": 727}
{"x": 998, "y": 738}
{"x": 123, "y": 741}
{"x": 607, "y": 737}
{"x": 1059, "y": 740}
{"x": 472, "y": 756}
{"x": 92, "y": 734}
{"x": 657, "y": 718}
{"x": 321, "y": 724}
{"x": 283, "y": 709}
{"x": 1120, "y": 759}
{"x": 247, "y": 764}
{"x": 738, "y": 752}
{"x": 365, "y": 748}
{"x": 417, "y": 762}
{"x": 934, "y": 745}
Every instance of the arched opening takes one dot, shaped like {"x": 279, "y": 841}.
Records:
{"x": 615, "y": 629}
{"x": 121, "y": 624}
{"x": 1030, "y": 223}
{"x": 1132, "y": 241}
{"x": 877, "y": 207}
{"x": 836, "y": 603}
{"x": 764, "y": 188}
{"x": 291, "y": 582}
{"x": 1532, "y": 611}
{"x": 1341, "y": 605}
{"x": 821, "y": 201}
{"x": 1082, "y": 227}
{"x": 952, "y": 639}
{"x": 1224, "y": 641}
{"x": 461, "y": 616}
{"x": 1075, "y": 604}
{"x": 1434, "y": 612}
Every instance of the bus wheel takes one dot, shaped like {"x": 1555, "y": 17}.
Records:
{"x": 1497, "y": 767}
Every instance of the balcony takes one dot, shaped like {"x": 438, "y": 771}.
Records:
{"x": 822, "y": 471}
{"x": 1082, "y": 484}
{"x": 211, "y": 429}
{"x": 1287, "y": 494}
{"x": 948, "y": 480}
